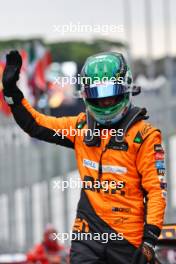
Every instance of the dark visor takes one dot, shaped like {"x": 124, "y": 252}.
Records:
{"x": 104, "y": 90}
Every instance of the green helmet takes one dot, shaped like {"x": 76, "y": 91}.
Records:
{"x": 106, "y": 77}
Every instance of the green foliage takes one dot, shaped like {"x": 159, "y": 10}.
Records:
{"x": 76, "y": 51}
{"x": 15, "y": 43}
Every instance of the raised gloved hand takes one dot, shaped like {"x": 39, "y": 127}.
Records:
{"x": 11, "y": 73}
{"x": 144, "y": 254}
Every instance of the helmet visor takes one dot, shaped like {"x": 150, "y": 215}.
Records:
{"x": 104, "y": 90}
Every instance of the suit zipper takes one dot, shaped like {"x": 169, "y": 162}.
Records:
{"x": 100, "y": 169}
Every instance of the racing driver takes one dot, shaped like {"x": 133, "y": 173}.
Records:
{"x": 131, "y": 209}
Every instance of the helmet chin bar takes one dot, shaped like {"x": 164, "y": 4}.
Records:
{"x": 110, "y": 120}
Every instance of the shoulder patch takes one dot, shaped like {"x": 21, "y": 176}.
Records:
{"x": 158, "y": 148}
{"x": 143, "y": 132}
{"x": 147, "y": 127}
{"x": 138, "y": 138}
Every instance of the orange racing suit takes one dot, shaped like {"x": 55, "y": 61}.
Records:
{"x": 136, "y": 167}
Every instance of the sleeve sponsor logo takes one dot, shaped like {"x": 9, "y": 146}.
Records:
{"x": 105, "y": 168}
{"x": 163, "y": 185}
{"x": 161, "y": 178}
{"x": 159, "y": 155}
{"x": 159, "y": 164}
{"x": 161, "y": 172}
{"x": 164, "y": 194}
{"x": 158, "y": 148}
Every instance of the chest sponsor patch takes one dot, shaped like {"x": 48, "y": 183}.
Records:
{"x": 90, "y": 164}
{"x": 114, "y": 169}
{"x": 160, "y": 164}
{"x": 159, "y": 155}
{"x": 118, "y": 146}
{"x": 121, "y": 209}
{"x": 105, "y": 168}
{"x": 158, "y": 148}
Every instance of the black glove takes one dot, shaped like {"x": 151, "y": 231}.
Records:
{"x": 10, "y": 76}
{"x": 144, "y": 254}
{"x": 151, "y": 234}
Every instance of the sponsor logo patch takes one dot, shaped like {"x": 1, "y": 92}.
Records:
{"x": 105, "y": 168}
{"x": 138, "y": 138}
{"x": 119, "y": 146}
{"x": 120, "y": 220}
{"x": 158, "y": 148}
{"x": 159, "y": 155}
{"x": 90, "y": 164}
{"x": 161, "y": 178}
{"x": 121, "y": 209}
{"x": 164, "y": 194}
{"x": 161, "y": 172}
{"x": 113, "y": 169}
{"x": 163, "y": 185}
{"x": 145, "y": 130}
{"x": 159, "y": 164}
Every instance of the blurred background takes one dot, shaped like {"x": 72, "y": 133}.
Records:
{"x": 54, "y": 38}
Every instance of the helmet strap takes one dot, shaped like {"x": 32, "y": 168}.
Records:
{"x": 90, "y": 139}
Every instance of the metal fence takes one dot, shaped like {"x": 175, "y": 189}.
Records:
{"x": 27, "y": 198}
